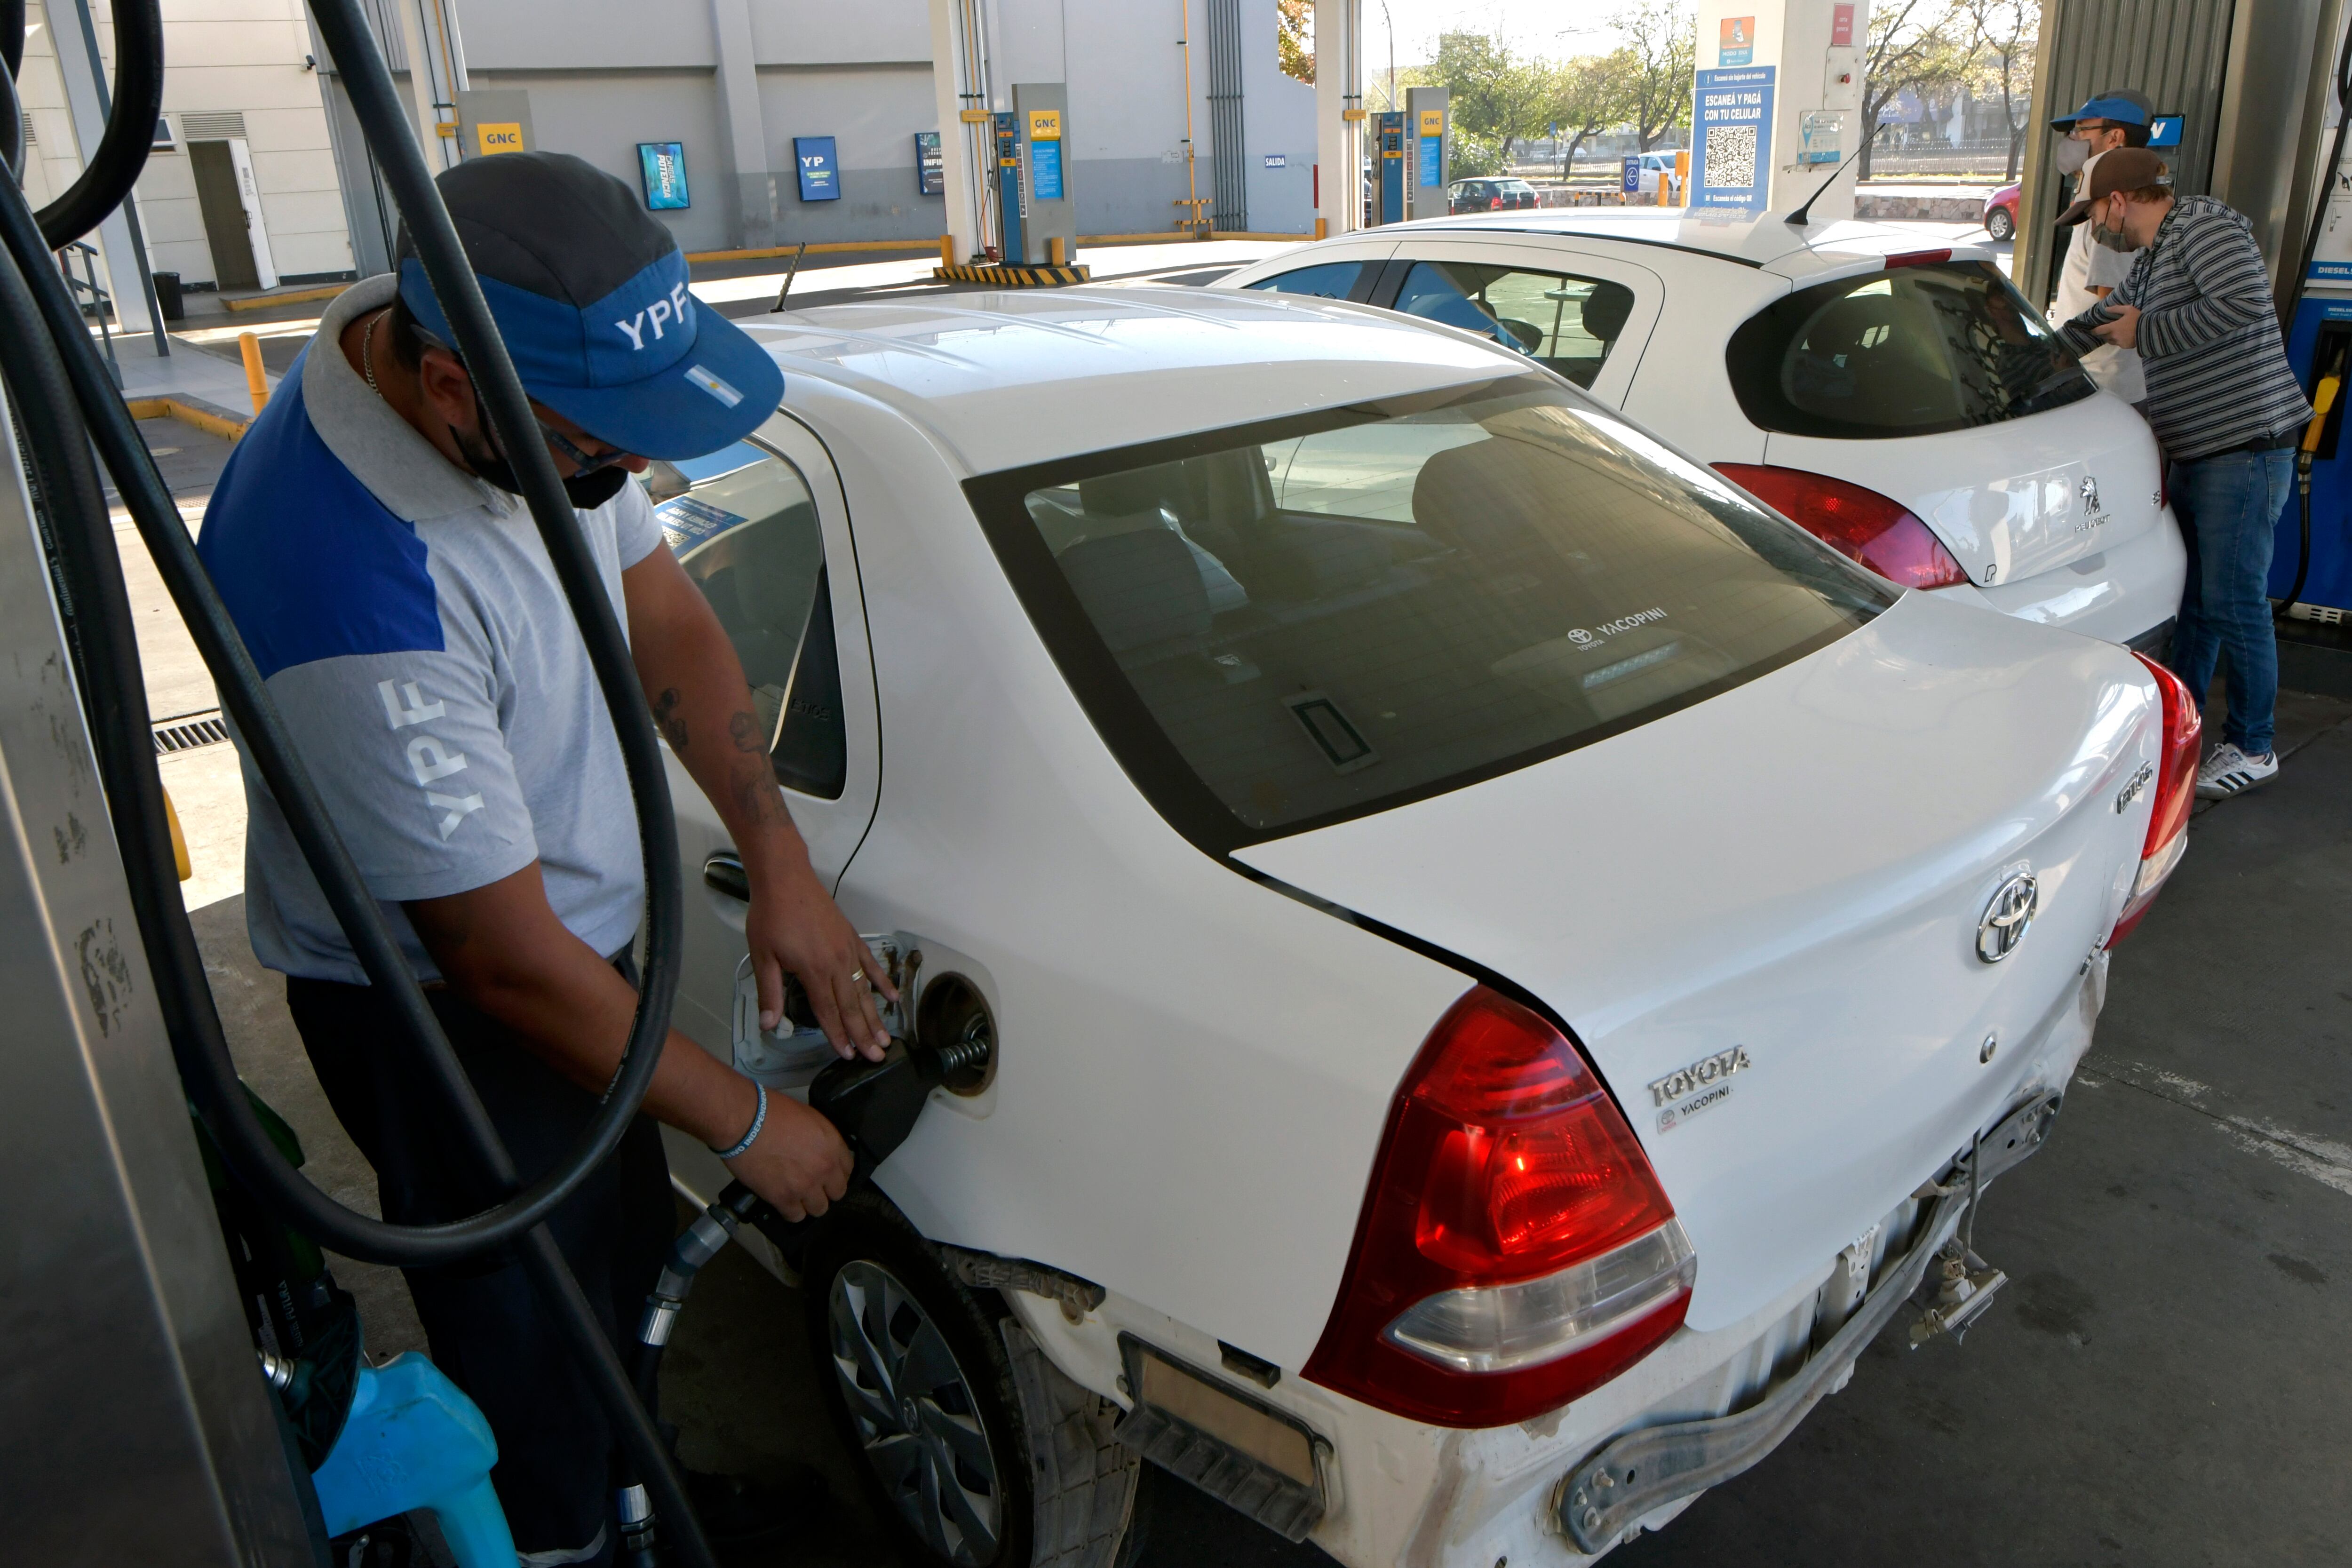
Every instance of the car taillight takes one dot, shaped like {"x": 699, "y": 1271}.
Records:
{"x": 1861, "y": 524}
{"x": 1515, "y": 1250}
{"x": 2176, "y": 792}
{"x": 1917, "y": 258}
{"x": 1495, "y": 203}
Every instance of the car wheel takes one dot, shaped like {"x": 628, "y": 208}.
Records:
{"x": 1999, "y": 224}
{"x": 975, "y": 1447}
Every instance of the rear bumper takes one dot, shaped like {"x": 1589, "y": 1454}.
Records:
{"x": 2124, "y": 593}
{"x": 1640, "y": 1473}
{"x": 1710, "y": 1403}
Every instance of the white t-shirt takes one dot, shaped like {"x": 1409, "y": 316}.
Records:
{"x": 2090, "y": 265}
{"x": 412, "y": 630}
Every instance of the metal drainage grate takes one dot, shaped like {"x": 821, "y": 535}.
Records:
{"x": 186, "y": 732}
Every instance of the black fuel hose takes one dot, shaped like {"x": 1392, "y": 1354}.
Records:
{"x": 51, "y": 372}
{"x": 12, "y": 35}
{"x": 133, "y": 106}
{"x": 12, "y": 136}
{"x": 2328, "y": 176}
{"x": 196, "y": 1029}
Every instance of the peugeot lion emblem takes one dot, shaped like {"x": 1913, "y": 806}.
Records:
{"x": 2090, "y": 493}
{"x": 2007, "y": 916}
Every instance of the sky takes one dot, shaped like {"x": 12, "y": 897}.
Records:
{"x": 1556, "y": 27}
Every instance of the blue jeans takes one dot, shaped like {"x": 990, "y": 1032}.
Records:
{"x": 2228, "y": 509}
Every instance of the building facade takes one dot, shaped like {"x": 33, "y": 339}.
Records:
{"x": 744, "y": 91}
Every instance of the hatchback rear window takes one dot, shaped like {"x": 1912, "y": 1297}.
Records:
{"x": 1911, "y": 351}
{"x": 1286, "y": 624}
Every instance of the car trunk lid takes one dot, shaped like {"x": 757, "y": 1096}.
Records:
{"x": 2012, "y": 499}
{"x": 1790, "y": 878}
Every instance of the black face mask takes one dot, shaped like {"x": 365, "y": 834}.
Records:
{"x": 587, "y": 492}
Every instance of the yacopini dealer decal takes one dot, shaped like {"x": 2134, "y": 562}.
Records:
{"x": 1702, "y": 1086}
{"x": 1594, "y": 639}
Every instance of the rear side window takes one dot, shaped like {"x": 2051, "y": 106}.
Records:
{"x": 751, "y": 541}
{"x": 1912, "y": 350}
{"x": 1565, "y": 323}
{"x": 1327, "y": 281}
{"x": 1286, "y": 625}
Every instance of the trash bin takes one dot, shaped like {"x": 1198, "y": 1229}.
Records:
{"x": 167, "y": 295}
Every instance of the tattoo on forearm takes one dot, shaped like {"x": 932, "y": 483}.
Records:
{"x": 668, "y": 719}
{"x": 757, "y": 796}
{"x": 745, "y": 729}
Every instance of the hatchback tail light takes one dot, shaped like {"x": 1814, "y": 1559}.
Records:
{"x": 1881, "y": 533}
{"x": 2176, "y": 792}
{"x": 1495, "y": 203}
{"x": 1514, "y": 1250}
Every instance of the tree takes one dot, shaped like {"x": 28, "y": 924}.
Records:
{"x": 1588, "y": 95}
{"x": 1915, "y": 44}
{"x": 1492, "y": 94}
{"x": 1294, "y": 24}
{"x": 1660, "y": 55}
{"x": 2002, "y": 37}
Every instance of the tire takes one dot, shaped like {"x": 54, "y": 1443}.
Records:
{"x": 975, "y": 1447}
{"x": 1999, "y": 224}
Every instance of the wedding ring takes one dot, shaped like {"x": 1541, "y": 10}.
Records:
{"x": 858, "y": 975}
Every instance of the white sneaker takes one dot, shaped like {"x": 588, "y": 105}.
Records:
{"x": 2230, "y": 770}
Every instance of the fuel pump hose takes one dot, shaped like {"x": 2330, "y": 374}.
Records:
{"x": 58, "y": 385}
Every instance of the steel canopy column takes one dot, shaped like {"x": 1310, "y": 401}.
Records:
{"x": 747, "y": 134}
{"x": 958, "y": 83}
{"x": 1338, "y": 93}
{"x": 74, "y": 38}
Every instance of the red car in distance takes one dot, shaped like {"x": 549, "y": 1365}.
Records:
{"x": 2000, "y": 213}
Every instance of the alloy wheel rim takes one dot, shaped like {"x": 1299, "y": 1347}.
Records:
{"x": 915, "y": 1415}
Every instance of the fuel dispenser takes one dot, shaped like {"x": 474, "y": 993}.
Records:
{"x": 1389, "y": 198}
{"x": 2311, "y": 565}
{"x": 1011, "y": 191}
{"x": 1037, "y": 211}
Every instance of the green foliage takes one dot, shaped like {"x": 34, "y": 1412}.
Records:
{"x": 1294, "y": 37}
{"x": 1476, "y": 155}
{"x": 1660, "y": 56}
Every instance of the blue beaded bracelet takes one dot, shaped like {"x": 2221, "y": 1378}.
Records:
{"x": 759, "y": 1120}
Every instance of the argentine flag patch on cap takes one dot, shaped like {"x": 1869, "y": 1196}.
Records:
{"x": 713, "y": 385}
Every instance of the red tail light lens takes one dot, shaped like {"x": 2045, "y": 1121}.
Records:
{"x": 1515, "y": 1250}
{"x": 2176, "y": 792}
{"x": 1495, "y": 203}
{"x": 1917, "y": 258}
{"x": 1860, "y": 524}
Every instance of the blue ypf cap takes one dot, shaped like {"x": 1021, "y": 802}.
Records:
{"x": 2122, "y": 111}
{"x": 590, "y": 292}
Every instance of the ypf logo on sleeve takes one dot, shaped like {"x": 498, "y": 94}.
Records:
{"x": 429, "y": 758}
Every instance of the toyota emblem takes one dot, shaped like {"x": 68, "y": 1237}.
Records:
{"x": 2007, "y": 917}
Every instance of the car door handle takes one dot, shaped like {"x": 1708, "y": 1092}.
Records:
{"x": 723, "y": 872}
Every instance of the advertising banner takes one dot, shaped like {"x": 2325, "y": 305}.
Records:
{"x": 1731, "y": 140}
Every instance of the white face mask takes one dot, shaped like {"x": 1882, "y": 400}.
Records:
{"x": 2072, "y": 155}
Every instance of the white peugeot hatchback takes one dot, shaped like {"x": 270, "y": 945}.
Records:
{"x": 1463, "y": 1075}
{"x": 1905, "y": 404}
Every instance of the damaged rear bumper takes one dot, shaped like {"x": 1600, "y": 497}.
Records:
{"x": 1642, "y": 1471}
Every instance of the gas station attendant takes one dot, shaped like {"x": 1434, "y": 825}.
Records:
{"x": 396, "y": 597}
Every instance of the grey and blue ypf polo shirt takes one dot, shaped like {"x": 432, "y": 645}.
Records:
{"x": 412, "y": 630}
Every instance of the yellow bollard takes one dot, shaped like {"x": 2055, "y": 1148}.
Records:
{"x": 256, "y": 385}
{"x": 947, "y": 250}
{"x": 1055, "y": 255}
{"x": 1322, "y": 228}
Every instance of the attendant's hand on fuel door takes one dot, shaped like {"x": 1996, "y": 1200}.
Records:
{"x": 799, "y": 1163}
{"x": 794, "y": 925}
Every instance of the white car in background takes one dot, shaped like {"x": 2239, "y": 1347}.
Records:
{"x": 1463, "y": 1077}
{"x": 1903, "y": 404}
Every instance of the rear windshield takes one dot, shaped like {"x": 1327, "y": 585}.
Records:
{"x": 1286, "y": 625}
{"x": 1912, "y": 350}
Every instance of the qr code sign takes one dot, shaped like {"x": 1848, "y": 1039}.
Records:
{"x": 1730, "y": 157}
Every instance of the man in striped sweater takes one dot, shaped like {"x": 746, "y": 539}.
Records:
{"x": 2227, "y": 409}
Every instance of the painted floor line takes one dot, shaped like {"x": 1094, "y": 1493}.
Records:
{"x": 2324, "y": 1160}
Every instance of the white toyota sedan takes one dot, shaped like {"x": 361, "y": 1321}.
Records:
{"x": 1502, "y": 964}
{"x": 1905, "y": 404}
